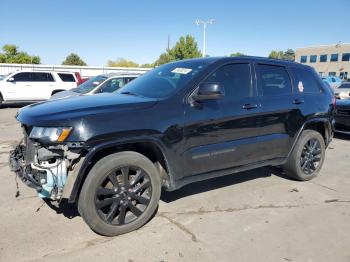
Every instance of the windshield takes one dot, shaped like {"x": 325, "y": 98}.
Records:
{"x": 89, "y": 85}
{"x": 2, "y": 77}
{"x": 165, "y": 80}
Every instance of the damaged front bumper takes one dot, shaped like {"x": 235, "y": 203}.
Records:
{"x": 50, "y": 170}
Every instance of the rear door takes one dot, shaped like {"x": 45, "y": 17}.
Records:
{"x": 41, "y": 86}
{"x": 222, "y": 133}
{"x": 280, "y": 118}
{"x": 66, "y": 81}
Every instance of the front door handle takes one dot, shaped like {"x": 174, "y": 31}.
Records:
{"x": 249, "y": 106}
{"x": 298, "y": 101}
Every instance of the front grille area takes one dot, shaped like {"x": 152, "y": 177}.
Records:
{"x": 345, "y": 112}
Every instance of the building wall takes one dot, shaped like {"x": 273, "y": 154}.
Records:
{"x": 340, "y": 68}
{"x": 85, "y": 71}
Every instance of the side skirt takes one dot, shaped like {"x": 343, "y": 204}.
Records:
{"x": 200, "y": 177}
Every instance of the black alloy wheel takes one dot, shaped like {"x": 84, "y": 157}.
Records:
{"x": 120, "y": 194}
{"x": 124, "y": 195}
{"x": 310, "y": 156}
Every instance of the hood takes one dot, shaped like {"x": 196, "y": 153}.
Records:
{"x": 63, "y": 111}
{"x": 64, "y": 94}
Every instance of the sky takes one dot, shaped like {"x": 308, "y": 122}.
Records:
{"x": 138, "y": 30}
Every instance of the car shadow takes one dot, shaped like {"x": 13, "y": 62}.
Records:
{"x": 69, "y": 210}
{"x": 15, "y": 105}
{"x": 219, "y": 182}
{"x": 342, "y": 136}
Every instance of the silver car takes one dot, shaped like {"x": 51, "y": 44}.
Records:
{"x": 107, "y": 83}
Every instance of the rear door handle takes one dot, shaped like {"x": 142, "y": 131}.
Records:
{"x": 298, "y": 101}
{"x": 249, "y": 106}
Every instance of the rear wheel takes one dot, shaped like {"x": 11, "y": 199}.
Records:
{"x": 307, "y": 157}
{"x": 120, "y": 194}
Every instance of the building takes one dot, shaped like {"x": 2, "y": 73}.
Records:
{"x": 326, "y": 59}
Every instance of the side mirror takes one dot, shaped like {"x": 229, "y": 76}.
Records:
{"x": 11, "y": 79}
{"x": 209, "y": 91}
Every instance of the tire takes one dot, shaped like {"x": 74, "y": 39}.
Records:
{"x": 105, "y": 191}
{"x": 304, "y": 164}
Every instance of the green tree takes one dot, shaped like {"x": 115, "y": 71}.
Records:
{"x": 276, "y": 54}
{"x": 121, "y": 62}
{"x": 73, "y": 59}
{"x": 287, "y": 55}
{"x": 238, "y": 54}
{"x": 11, "y": 54}
{"x": 163, "y": 59}
{"x": 185, "y": 48}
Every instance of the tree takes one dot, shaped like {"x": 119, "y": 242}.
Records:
{"x": 287, "y": 55}
{"x": 121, "y": 62}
{"x": 163, "y": 59}
{"x": 237, "y": 54}
{"x": 73, "y": 59}
{"x": 185, "y": 48}
{"x": 11, "y": 54}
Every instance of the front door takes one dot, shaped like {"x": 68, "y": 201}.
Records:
{"x": 222, "y": 133}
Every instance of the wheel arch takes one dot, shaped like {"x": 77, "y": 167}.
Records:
{"x": 321, "y": 125}
{"x": 57, "y": 91}
{"x": 151, "y": 148}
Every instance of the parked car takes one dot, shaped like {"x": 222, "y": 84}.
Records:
{"x": 107, "y": 83}
{"x": 180, "y": 123}
{"x": 333, "y": 81}
{"x": 2, "y": 77}
{"x": 31, "y": 86}
{"x": 342, "y": 117}
{"x": 343, "y": 91}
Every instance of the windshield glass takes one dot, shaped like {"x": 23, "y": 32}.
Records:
{"x": 165, "y": 80}
{"x": 89, "y": 85}
{"x": 2, "y": 77}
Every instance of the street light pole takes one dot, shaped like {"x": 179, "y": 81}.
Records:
{"x": 204, "y": 23}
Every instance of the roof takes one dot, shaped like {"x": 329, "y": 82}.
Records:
{"x": 244, "y": 58}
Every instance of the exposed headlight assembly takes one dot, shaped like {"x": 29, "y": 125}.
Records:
{"x": 50, "y": 134}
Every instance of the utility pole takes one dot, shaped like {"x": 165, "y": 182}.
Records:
{"x": 204, "y": 23}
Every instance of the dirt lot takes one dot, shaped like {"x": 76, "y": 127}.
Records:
{"x": 251, "y": 216}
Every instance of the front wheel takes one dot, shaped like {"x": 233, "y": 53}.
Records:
{"x": 120, "y": 194}
{"x": 307, "y": 157}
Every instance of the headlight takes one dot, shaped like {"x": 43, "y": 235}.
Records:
{"x": 50, "y": 134}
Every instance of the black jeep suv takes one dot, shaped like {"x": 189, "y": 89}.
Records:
{"x": 181, "y": 122}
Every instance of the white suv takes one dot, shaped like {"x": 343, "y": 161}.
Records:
{"x": 29, "y": 86}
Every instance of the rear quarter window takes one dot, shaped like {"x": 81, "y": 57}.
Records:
{"x": 305, "y": 81}
{"x": 66, "y": 77}
{"x": 274, "y": 80}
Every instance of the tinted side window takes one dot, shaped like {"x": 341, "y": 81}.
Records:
{"x": 111, "y": 85}
{"x": 66, "y": 77}
{"x": 274, "y": 80}
{"x": 128, "y": 79}
{"x": 41, "y": 77}
{"x": 235, "y": 78}
{"x": 305, "y": 81}
{"x": 22, "y": 77}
